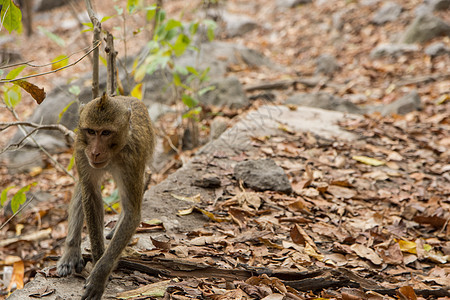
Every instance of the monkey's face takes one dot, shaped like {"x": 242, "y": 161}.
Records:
{"x": 101, "y": 146}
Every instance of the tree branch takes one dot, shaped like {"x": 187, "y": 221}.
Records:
{"x": 53, "y": 71}
{"x": 96, "y": 39}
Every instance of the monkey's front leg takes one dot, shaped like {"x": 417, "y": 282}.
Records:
{"x": 71, "y": 258}
{"x": 96, "y": 283}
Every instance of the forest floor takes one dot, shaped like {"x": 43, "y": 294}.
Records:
{"x": 349, "y": 230}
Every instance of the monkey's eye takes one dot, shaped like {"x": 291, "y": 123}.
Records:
{"x": 106, "y": 132}
{"x": 90, "y": 131}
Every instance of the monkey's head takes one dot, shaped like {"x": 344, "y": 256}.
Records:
{"x": 103, "y": 129}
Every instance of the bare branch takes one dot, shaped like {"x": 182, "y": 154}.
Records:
{"x": 96, "y": 39}
{"x": 111, "y": 64}
{"x": 53, "y": 71}
{"x": 69, "y": 134}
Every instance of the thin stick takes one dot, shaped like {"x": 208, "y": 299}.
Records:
{"x": 53, "y": 71}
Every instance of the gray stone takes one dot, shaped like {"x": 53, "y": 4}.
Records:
{"x": 438, "y": 4}
{"x": 24, "y": 160}
{"x": 392, "y": 50}
{"x": 326, "y": 64}
{"x": 226, "y": 92}
{"x": 218, "y": 56}
{"x": 422, "y": 9}
{"x": 424, "y": 28}
{"x": 156, "y": 110}
{"x": 437, "y": 49}
{"x": 238, "y": 25}
{"x": 262, "y": 175}
{"x": 325, "y": 101}
{"x": 217, "y": 127}
{"x": 389, "y": 12}
{"x": 291, "y": 3}
{"x": 408, "y": 103}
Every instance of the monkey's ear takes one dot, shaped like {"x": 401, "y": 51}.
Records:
{"x": 103, "y": 100}
{"x": 81, "y": 107}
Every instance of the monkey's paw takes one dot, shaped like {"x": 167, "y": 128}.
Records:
{"x": 93, "y": 289}
{"x": 67, "y": 264}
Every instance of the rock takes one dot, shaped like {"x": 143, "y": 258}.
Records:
{"x": 218, "y": 126}
{"x": 438, "y": 4}
{"x": 227, "y": 92}
{"x": 209, "y": 181}
{"x": 408, "y": 103}
{"x": 326, "y": 64}
{"x": 389, "y": 12}
{"x": 422, "y": 9}
{"x": 369, "y": 2}
{"x": 392, "y": 50}
{"x": 218, "y": 56}
{"x": 24, "y": 160}
{"x": 291, "y": 3}
{"x": 262, "y": 175}
{"x": 43, "y": 5}
{"x": 238, "y": 25}
{"x": 324, "y": 101}
{"x": 156, "y": 110}
{"x": 437, "y": 49}
{"x": 424, "y": 28}
{"x": 337, "y": 21}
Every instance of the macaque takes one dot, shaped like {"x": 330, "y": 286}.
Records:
{"x": 114, "y": 135}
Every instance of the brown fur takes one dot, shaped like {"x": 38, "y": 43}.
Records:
{"x": 114, "y": 135}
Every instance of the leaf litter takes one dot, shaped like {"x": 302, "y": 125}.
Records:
{"x": 367, "y": 219}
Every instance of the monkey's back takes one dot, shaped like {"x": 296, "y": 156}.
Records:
{"x": 141, "y": 133}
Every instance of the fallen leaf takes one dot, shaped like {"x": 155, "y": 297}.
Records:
{"x": 367, "y": 253}
{"x": 194, "y": 199}
{"x": 156, "y": 289}
{"x": 406, "y": 293}
{"x": 17, "y": 276}
{"x": 368, "y": 160}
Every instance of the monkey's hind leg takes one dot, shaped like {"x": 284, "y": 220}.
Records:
{"x": 71, "y": 258}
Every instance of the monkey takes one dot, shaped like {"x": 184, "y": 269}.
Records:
{"x": 114, "y": 135}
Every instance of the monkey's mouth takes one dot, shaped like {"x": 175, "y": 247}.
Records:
{"x": 98, "y": 165}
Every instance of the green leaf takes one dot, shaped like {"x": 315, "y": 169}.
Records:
{"x": 104, "y": 19}
{"x": 192, "y": 70}
{"x": 20, "y": 197}
{"x": 74, "y": 90}
{"x": 71, "y": 163}
{"x": 181, "y": 44}
{"x": 12, "y": 96}
{"x": 59, "y": 41}
{"x": 68, "y": 105}
{"x": 171, "y": 24}
{"x": 189, "y": 101}
{"x": 59, "y": 62}
{"x": 211, "y": 27}
{"x": 89, "y": 25}
{"x": 11, "y": 16}
{"x": 132, "y": 5}
{"x": 14, "y": 72}
{"x": 206, "y": 89}
{"x": 151, "y": 12}
{"x": 4, "y": 195}
{"x": 193, "y": 28}
{"x": 204, "y": 76}
{"x": 193, "y": 113}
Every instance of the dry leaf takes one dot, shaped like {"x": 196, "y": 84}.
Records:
{"x": 37, "y": 93}
{"x": 365, "y": 252}
{"x": 368, "y": 160}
